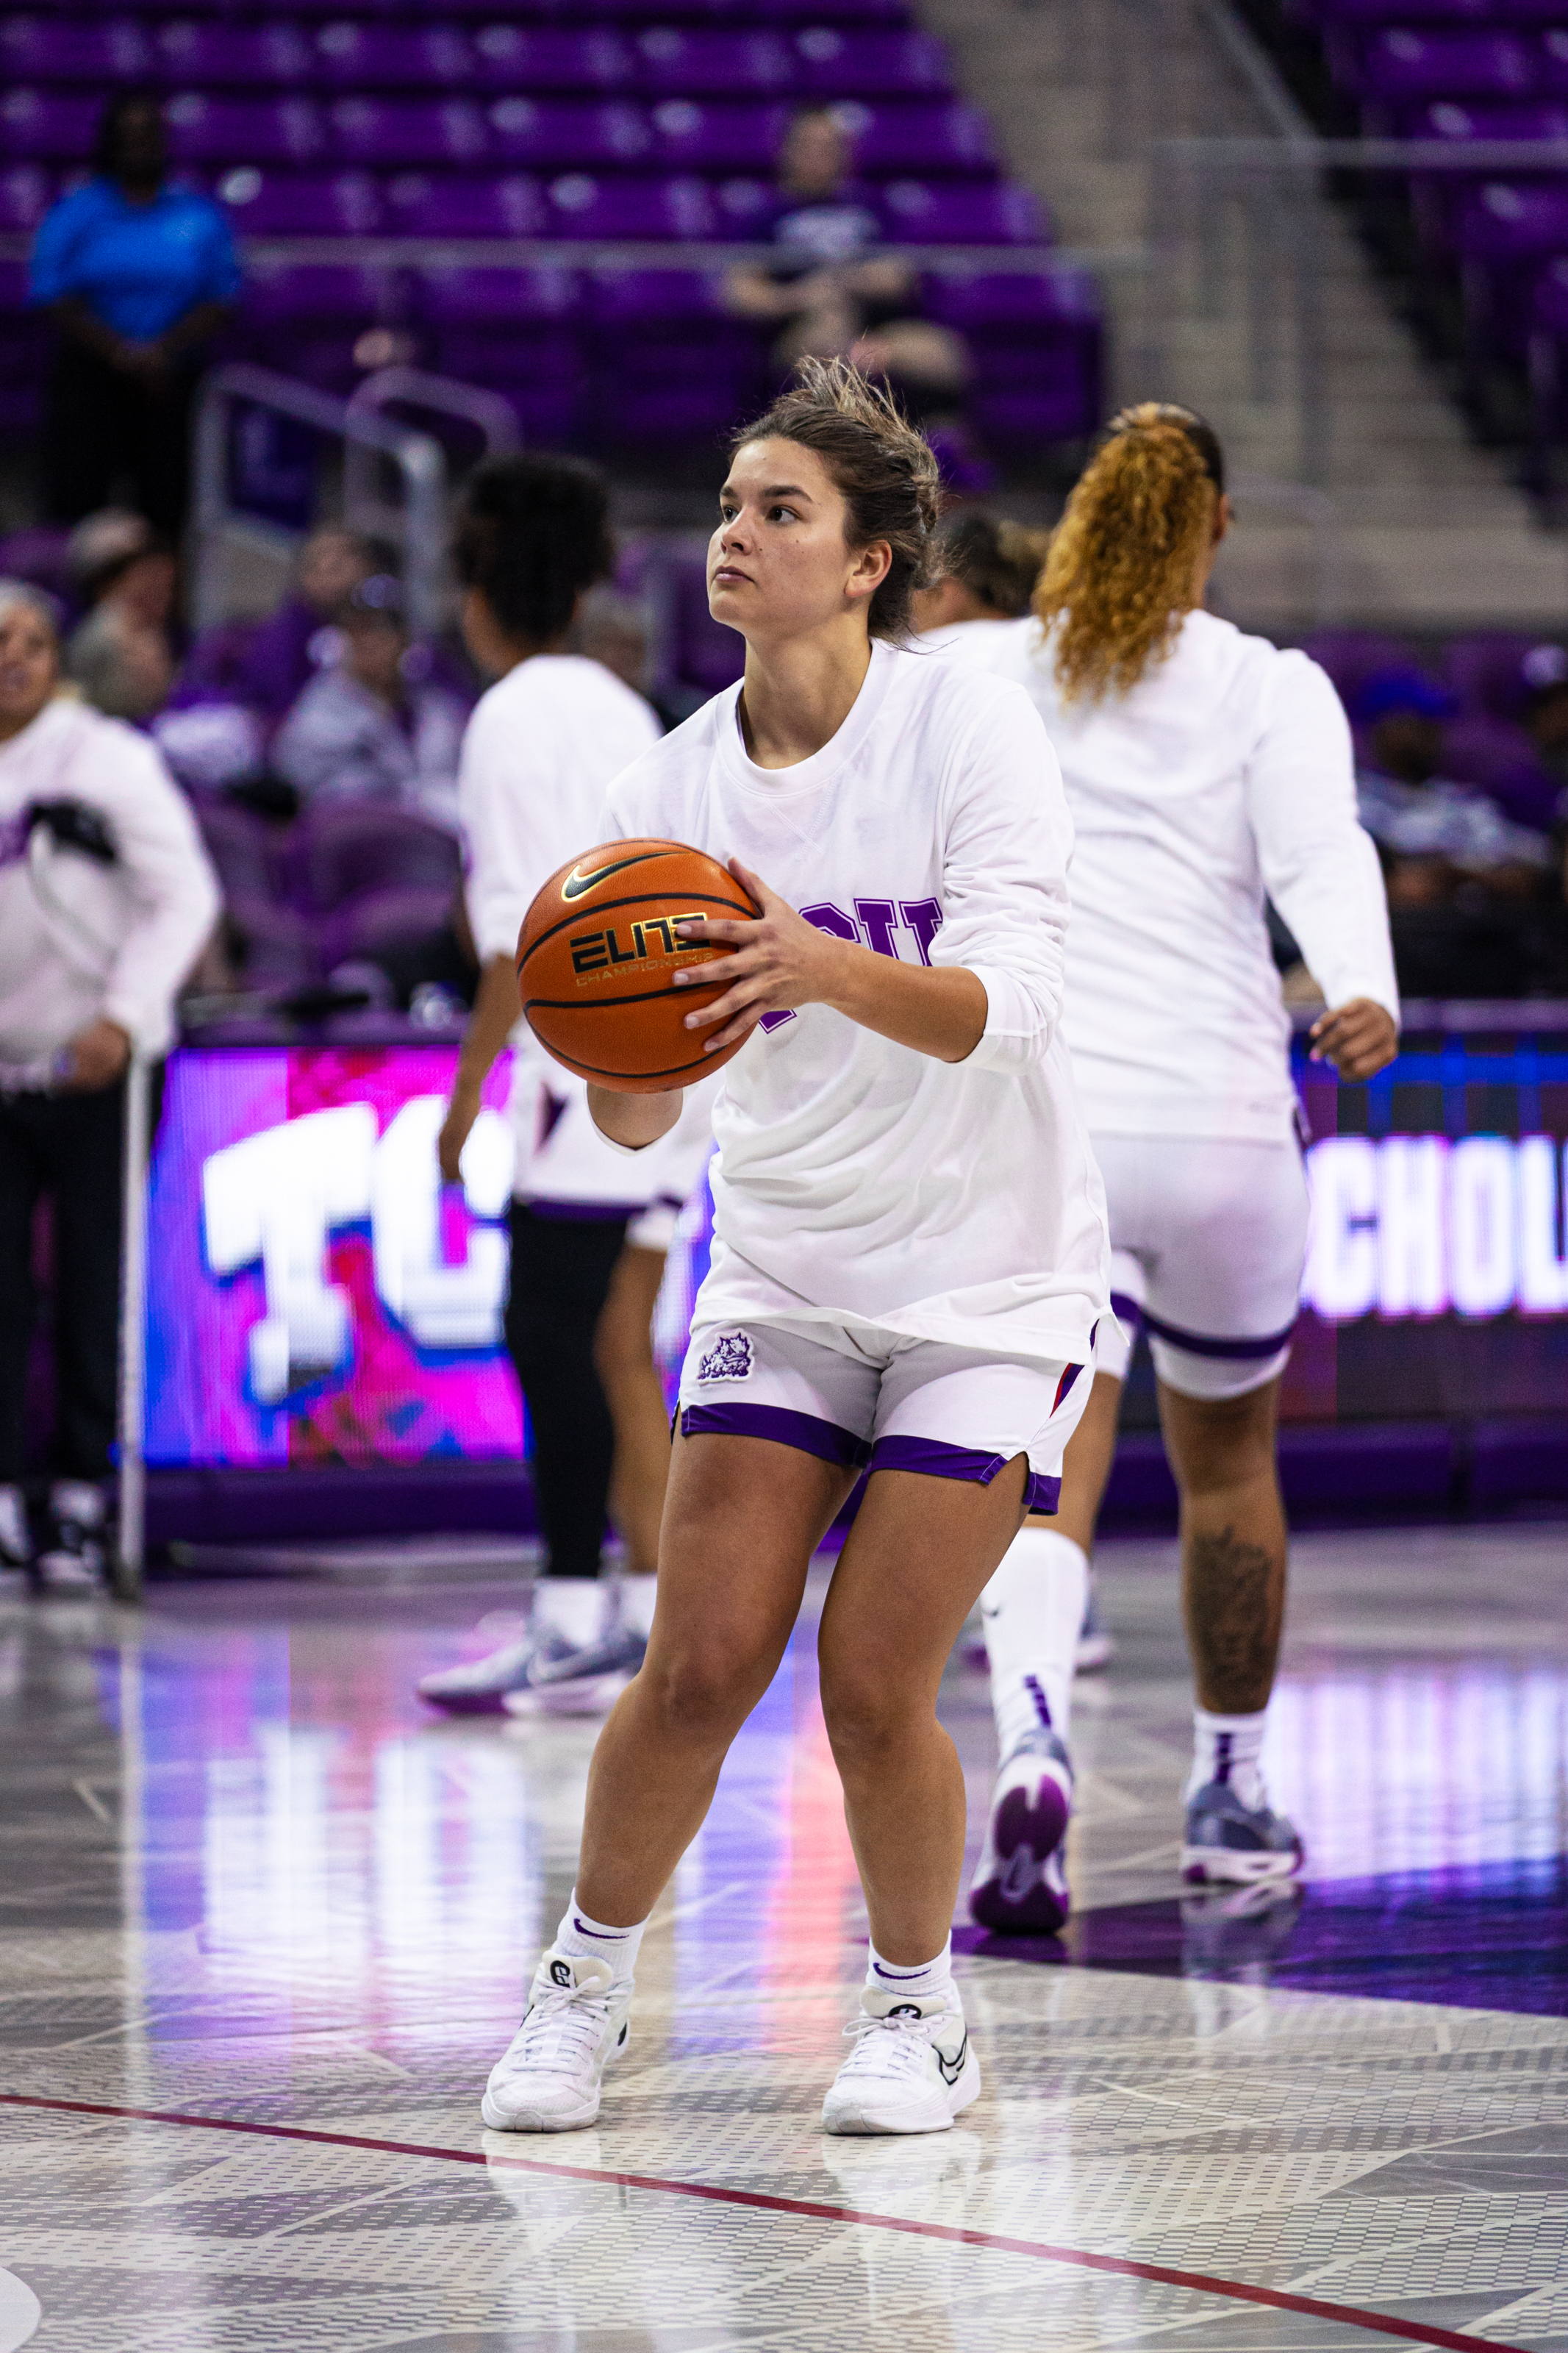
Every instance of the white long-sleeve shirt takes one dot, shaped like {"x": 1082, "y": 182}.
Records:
{"x": 1227, "y": 772}
{"x": 946, "y": 1201}
{"x": 539, "y": 751}
{"x": 81, "y": 940}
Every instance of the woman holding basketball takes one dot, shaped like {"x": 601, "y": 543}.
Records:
{"x": 910, "y": 1252}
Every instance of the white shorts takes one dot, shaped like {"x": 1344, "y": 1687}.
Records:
{"x": 876, "y": 1401}
{"x": 1207, "y": 1239}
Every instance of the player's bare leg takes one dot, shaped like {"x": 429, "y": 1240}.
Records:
{"x": 623, "y": 1356}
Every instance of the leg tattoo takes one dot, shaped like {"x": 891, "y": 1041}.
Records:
{"x": 1235, "y": 1594}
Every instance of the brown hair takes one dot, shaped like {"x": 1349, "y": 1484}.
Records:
{"x": 998, "y": 562}
{"x": 884, "y": 469}
{"x": 1121, "y": 573}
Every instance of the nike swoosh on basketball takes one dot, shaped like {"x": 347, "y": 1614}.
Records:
{"x": 576, "y": 883}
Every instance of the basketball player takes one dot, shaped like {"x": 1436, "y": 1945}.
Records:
{"x": 909, "y": 1256}
{"x": 1202, "y": 769}
{"x": 589, "y": 1228}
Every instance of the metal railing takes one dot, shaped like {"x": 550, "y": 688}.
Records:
{"x": 490, "y": 413}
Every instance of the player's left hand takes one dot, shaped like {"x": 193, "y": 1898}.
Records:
{"x": 780, "y": 962}
{"x": 96, "y": 1057}
{"x": 1359, "y": 1038}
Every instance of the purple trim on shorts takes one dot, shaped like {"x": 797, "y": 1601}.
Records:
{"x": 936, "y": 1460}
{"x": 582, "y": 1213}
{"x": 1198, "y": 1343}
{"x": 1126, "y": 1310}
{"x": 803, "y": 1431}
{"x": 1068, "y": 1378}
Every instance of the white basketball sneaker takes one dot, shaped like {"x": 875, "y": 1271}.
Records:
{"x": 576, "y": 2025}
{"x": 912, "y": 2069}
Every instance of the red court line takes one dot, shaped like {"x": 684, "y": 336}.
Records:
{"x": 1384, "y": 2323}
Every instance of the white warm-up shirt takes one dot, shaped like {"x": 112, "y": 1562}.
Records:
{"x": 539, "y": 751}
{"x": 1227, "y": 772}
{"x": 946, "y": 1201}
{"x": 81, "y": 940}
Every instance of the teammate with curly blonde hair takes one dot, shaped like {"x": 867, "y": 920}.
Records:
{"x": 1204, "y": 769}
{"x": 910, "y": 1254}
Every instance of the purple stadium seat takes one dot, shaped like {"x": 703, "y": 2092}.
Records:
{"x": 242, "y": 848}
{"x": 676, "y": 63}
{"x": 381, "y": 921}
{"x": 669, "y": 361}
{"x": 1010, "y": 305}
{"x": 1554, "y": 62}
{"x": 948, "y": 213}
{"x": 921, "y": 135}
{"x": 230, "y": 130}
{"x": 1437, "y": 198}
{"x": 515, "y": 330}
{"x": 24, "y": 349}
{"x": 47, "y": 123}
{"x": 25, "y": 195}
{"x": 833, "y": 64}
{"x": 705, "y": 136}
{"x": 1504, "y": 230}
{"x": 578, "y": 204}
{"x": 710, "y": 656}
{"x": 343, "y": 850}
{"x": 515, "y": 57}
{"x": 1352, "y": 656}
{"x": 215, "y": 56}
{"x": 315, "y": 316}
{"x": 419, "y": 203}
{"x": 391, "y": 131}
{"x": 359, "y": 57}
{"x": 39, "y": 552}
{"x": 559, "y": 136}
{"x": 299, "y": 204}
{"x": 1038, "y": 342}
{"x": 49, "y": 48}
{"x": 1501, "y": 761}
{"x": 1490, "y": 671}
{"x": 1403, "y": 70}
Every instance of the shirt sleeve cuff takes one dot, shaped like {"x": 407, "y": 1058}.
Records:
{"x": 1013, "y": 1036}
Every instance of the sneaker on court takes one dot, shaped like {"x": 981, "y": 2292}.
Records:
{"x": 912, "y": 2069}
{"x": 479, "y": 1686}
{"x": 15, "y": 1534}
{"x": 74, "y": 1559}
{"x": 576, "y": 2025}
{"x": 1096, "y": 1642}
{"x": 1226, "y": 1841}
{"x": 586, "y": 1681}
{"x": 1020, "y": 1887}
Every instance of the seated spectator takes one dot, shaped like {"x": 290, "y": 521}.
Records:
{"x": 137, "y": 276}
{"x": 121, "y": 656}
{"x": 988, "y": 570}
{"x": 828, "y": 297}
{"x": 1545, "y": 714}
{"x": 106, "y": 899}
{"x": 1435, "y": 837}
{"x": 284, "y": 651}
{"x": 372, "y": 726}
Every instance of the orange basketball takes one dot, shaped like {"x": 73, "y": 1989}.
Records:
{"x": 598, "y": 956}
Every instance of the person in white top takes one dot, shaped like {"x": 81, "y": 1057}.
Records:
{"x": 106, "y": 901}
{"x": 589, "y": 1230}
{"x": 988, "y": 567}
{"x": 910, "y": 1252}
{"x": 1203, "y": 768}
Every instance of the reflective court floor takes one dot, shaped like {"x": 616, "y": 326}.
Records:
{"x": 265, "y": 1924}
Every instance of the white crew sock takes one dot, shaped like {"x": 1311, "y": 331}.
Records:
{"x": 932, "y": 1977}
{"x": 578, "y": 1936}
{"x": 1031, "y": 1611}
{"x": 1227, "y": 1749}
{"x": 572, "y": 1606}
{"x": 637, "y": 1596}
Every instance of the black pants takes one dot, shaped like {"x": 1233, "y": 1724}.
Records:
{"x": 100, "y": 427}
{"x": 561, "y": 1271}
{"x": 69, "y": 1148}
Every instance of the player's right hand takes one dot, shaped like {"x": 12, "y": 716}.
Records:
{"x": 1360, "y": 1037}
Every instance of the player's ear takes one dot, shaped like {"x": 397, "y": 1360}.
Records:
{"x": 869, "y": 567}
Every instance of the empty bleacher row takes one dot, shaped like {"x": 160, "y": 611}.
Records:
{"x": 388, "y": 125}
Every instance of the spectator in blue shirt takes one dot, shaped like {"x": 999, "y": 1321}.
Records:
{"x": 137, "y": 275}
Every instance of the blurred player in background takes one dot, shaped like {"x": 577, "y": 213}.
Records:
{"x": 1202, "y": 769}
{"x": 589, "y": 1228}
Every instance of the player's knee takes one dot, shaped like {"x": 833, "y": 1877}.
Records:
{"x": 1223, "y": 1442}
{"x": 705, "y": 1689}
{"x": 867, "y": 1713}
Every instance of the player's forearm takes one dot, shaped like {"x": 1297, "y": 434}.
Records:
{"x": 938, "y": 1009}
{"x": 633, "y": 1120}
{"x": 490, "y": 1023}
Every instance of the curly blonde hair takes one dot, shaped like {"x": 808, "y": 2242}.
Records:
{"x": 1122, "y": 573}
{"x": 886, "y": 470}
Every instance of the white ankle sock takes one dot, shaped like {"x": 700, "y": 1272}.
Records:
{"x": 637, "y": 1597}
{"x": 570, "y": 1606}
{"x": 1032, "y": 1610}
{"x": 932, "y": 1977}
{"x": 1227, "y": 1749}
{"x": 577, "y": 1936}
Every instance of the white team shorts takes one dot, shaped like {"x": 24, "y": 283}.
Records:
{"x": 1207, "y": 1240}
{"x": 877, "y": 1400}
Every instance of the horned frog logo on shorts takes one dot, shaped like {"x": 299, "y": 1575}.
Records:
{"x": 729, "y": 1359}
